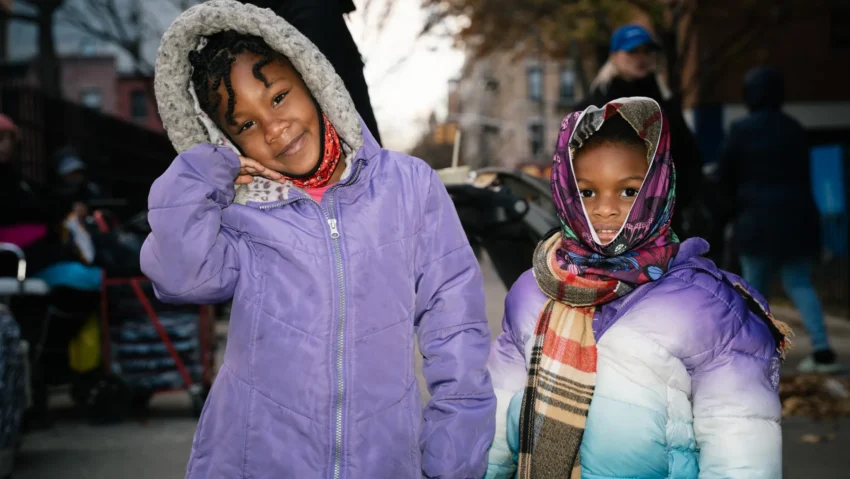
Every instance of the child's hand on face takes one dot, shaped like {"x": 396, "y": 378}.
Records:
{"x": 249, "y": 168}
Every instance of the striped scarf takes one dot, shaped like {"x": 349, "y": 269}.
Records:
{"x": 579, "y": 275}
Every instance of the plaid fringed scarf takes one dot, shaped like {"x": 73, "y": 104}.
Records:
{"x": 578, "y": 274}
{"x": 561, "y": 375}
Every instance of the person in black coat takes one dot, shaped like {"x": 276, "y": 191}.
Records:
{"x": 631, "y": 71}
{"x": 19, "y": 200}
{"x": 765, "y": 167}
{"x": 323, "y": 23}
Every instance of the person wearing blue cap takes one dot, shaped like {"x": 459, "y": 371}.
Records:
{"x": 633, "y": 52}
{"x": 631, "y": 71}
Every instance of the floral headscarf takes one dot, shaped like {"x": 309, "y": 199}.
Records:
{"x": 645, "y": 246}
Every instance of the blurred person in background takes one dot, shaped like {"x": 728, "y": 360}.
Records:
{"x": 19, "y": 202}
{"x": 323, "y": 23}
{"x": 23, "y": 216}
{"x": 46, "y": 226}
{"x": 631, "y": 71}
{"x": 73, "y": 189}
{"x": 764, "y": 164}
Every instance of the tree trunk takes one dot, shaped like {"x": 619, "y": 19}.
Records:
{"x": 47, "y": 65}
{"x": 578, "y": 67}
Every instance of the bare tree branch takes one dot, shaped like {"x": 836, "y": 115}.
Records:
{"x": 80, "y": 21}
{"x": 127, "y": 29}
{"x": 115, "y": 18}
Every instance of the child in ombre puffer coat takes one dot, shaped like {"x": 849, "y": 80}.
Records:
{"x": 624, "y": 352}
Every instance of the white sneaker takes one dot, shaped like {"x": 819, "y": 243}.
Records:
{"x": 809, "y": 366}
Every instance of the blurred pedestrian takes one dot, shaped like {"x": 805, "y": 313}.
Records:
{"x": 20, "y": 202}
{"x": 323, "y": 23}
{"x": 624, "y": 352}
{"x": 338, "y": 256}
{"x": 631, "y": 71}
{"x": 73, "y": 188}
{"x": 765, "y": 166}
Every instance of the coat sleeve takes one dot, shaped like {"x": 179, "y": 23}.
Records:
{"x": 507, "y": 366}
{"x": 188, "y": 256}
{"x": 736, "y": 408}
{"x": 454, "y": 338}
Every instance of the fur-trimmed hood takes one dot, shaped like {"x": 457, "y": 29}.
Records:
{"x": 181, "y": 115}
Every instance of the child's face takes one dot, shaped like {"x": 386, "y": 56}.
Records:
{"x": 609, "y": 177}
{"x": 276, "y": 124}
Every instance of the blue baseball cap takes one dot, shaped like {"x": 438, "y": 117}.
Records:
{"x": 629, "y": 37}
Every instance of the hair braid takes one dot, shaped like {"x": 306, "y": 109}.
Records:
{"x": 212, "y": 66}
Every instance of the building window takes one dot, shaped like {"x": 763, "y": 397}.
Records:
{"x": 567, "y": 85}
{"x": 138, "y": 105}
{"x": 535, "y": 139}
{"x": 535, "y": 84}
{"x": 92, "y": 98}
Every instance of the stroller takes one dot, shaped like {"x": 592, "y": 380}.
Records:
{"x": 47, "y": 316}
{"x": 151, "y": 346}
{"x": 14, "y": 359}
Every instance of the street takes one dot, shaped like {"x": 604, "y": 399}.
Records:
{"x": 159, "y": 447}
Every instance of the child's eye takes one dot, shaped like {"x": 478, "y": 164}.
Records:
{"x": 246, "y": 125}
{"x": 586, "y": 193}
{"x": 630, "y": 192}
{"x": 279, "y": 98}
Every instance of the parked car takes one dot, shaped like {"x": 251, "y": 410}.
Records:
{"x": 505, "y": 212}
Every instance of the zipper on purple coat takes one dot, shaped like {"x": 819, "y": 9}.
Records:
{"x": 333, "y": 225}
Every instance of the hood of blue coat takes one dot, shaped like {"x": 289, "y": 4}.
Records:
{"x": 764, "y": 89}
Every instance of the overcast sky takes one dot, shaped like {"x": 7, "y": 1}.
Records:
{"x": 407, "y": 75}
{"x": 416, "y": 86}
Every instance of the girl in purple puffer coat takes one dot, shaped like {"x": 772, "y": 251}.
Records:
{"x": 336, "y": 254}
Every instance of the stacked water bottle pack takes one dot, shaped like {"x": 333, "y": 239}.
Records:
{"x": 141, "y": 357}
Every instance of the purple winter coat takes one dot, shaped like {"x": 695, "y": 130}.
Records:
{"x": 318, "y": 377}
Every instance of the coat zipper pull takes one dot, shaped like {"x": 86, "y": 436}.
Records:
{"x": 334, "y": 231}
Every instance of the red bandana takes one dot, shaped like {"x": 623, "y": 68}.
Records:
{"x": 329, "y": 161}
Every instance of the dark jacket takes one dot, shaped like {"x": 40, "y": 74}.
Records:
{"x": 19, "y": 201}
{"x": 764, "y": 165}
{"x": 24, "y": 203}
{"x": 683, "y": 146}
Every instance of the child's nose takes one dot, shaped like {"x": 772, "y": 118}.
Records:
{"x": 607, "y": 208}
{"x": 275, "y": 130}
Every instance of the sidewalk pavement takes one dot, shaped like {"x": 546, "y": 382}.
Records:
{"x": 159, "y": 447}
{"x": 815, "y": 447}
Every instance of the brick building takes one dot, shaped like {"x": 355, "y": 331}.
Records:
{"x": 90, "y": 81}
{"x": 94, "y": 82}
{"x": 135, "y": 101}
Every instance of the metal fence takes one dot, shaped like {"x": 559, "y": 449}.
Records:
{"x": 122, "y": 158}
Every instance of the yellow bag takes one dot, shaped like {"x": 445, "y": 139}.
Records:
{"x": 84, "y": 349}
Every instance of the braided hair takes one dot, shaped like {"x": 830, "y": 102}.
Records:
{"x": 212, "y": 65}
